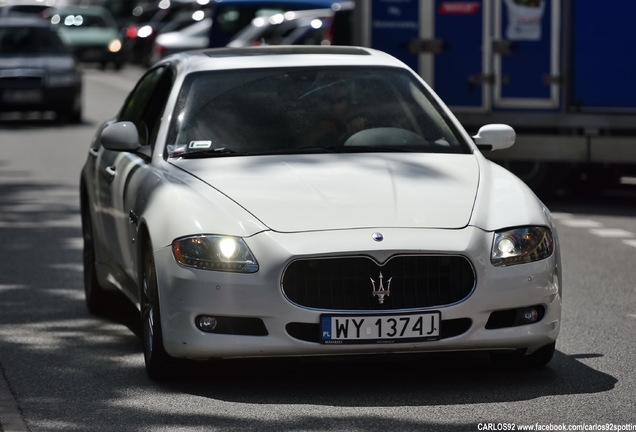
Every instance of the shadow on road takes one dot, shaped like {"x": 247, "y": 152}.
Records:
{"x": 376, "y": 381}
{"x": 414, "y": 380}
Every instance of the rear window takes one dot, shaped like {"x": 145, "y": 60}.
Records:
{"x": 30, "y": 40}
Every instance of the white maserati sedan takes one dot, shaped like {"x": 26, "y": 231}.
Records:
{"x": 312, "y": 201}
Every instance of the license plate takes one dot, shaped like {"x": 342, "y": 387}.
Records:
{"x": 91, "y": 55}
{"x": 22, "y": 96}
{"x": 370, "y": 329}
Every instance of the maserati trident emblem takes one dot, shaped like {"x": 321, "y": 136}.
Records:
{"x": 381, "y": 292}
{"x": 377, "y": 236}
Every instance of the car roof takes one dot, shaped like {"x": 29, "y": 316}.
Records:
{"x": 272, "y": 56}
{"x": 92, "y": 9}
{"x": 27, "y": 3}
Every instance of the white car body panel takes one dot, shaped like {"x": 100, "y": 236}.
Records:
{"x": 342, "y": 191}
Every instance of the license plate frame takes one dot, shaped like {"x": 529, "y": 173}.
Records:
{"x": 336, "y": 329}
{"x": 22, "y": 96}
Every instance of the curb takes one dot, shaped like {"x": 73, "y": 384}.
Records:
{"x": 10, "y": 417}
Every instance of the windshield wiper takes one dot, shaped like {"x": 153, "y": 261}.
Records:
{"x": 380, "y": 149}
{"x": 312, "y": 149}
{"x": 188, "y": 153}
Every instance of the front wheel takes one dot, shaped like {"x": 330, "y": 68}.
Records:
{"x": 158, "y": 363}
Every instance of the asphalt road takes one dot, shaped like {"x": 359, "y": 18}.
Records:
{"x": 66, "y": 370}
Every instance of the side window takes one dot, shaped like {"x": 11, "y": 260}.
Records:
{"x": 145, "y": 104}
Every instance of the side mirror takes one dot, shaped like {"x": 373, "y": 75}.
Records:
{"x": 121, "y": 136}
{"x": 495, "y": 137}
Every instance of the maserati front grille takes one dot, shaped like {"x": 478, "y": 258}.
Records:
{"x": 359, "y": 283}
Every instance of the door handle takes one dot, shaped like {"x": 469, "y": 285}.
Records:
{"x": 503, "y": 47}
{"x": 432, "y": 46}
{"x": 482, "y": 79}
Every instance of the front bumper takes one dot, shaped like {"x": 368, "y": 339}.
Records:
{"x": 187, "y": 293}
{"x": 97, "y": 54}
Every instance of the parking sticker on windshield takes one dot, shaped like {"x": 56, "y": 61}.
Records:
{"x": 200, "y": 144}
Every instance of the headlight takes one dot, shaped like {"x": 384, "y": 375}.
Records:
{"x": 521, "y": 245}
{"x": 215, "y": 252}
{"x": 144, "y": 31}
{"x": 114, "y": 46}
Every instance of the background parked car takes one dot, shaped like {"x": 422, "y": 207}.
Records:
{"x": 37, "y": 71}
{"x": 310, "y": 27}
{"x": 92, "y": 33}
{"x": 231, "y": 16}
{"x": 194, "y": 36}
{"x": 149, "y": 21}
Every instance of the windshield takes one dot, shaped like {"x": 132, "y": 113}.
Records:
{"x": 308, "y": 110}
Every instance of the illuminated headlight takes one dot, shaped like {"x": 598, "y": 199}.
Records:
{"x": 316, "y": 24}
{"x": 65, "y": 79}
{"x": 114, "y": 46}
{"x": 144, "y": 32}
{"x": 521, "y": 245}
{"x": 214, "y": 252}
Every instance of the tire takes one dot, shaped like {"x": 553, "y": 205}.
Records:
{"x": 540, "y": 357}
{"x": 76, "y": 116}
{"x": 72, "y": 116}
{"x": 159, "y": 364}
{"x": 537, "y": 359}
{"x": 97, "y": 298}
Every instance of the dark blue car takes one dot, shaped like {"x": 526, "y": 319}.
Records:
{"x": 38, "y": 72}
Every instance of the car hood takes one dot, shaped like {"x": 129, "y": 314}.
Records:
{"x": 31, "y": 62}
{"x": 342, "y": 191}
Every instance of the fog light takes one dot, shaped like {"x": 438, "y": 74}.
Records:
{"x": 206, "y": 323}
{"x": 515, "y": 317}
{"x": 530, "y": 315}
